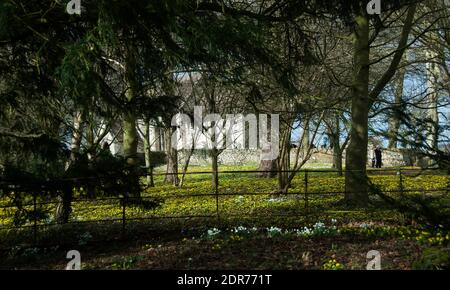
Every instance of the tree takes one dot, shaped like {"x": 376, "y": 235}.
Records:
{"x": 334, "y": 125}
{"x": 420, "y": 113}
{"x": 396, "y": 115}
{"x": 356, "y": 159}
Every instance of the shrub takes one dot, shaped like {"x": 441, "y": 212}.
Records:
{"x": 434, "y": 259}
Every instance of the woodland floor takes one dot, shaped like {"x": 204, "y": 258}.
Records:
{"x": 255, "y": 231}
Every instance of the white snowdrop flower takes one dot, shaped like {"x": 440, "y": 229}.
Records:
{"x": 213, "y": 232}
{"x": 240, "y": 229}
{"x": 364, "y": 226}
{"x": 319, "y": 225}
{"x": 274, "y": 231}
{"x": 304, "y": 232}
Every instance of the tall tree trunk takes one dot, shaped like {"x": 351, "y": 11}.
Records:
{"x": 283, "y": 165}
{"x": 77, "y": 135}
{"x": 395, "y": 120}
{"x": 130, "y": 134}
{"x": 64, "y": 205}
{"x": 335, "y": 142}
{"x": 356, "y": 185}
{"x": 158, "y": 147}
{"x": 147, "y": 153}
{"x": 433, "y": 73}
{"x": 337, "y": 161}
{"x": 186, "y": 165}
{"x": 172, "y": 159}
{"x": 90, "y": 140}
{"x": 268, "y": 168}
{"x": 356, "y": 158}
{"x": 306, "y": 140}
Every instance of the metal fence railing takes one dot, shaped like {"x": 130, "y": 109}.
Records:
{"x": 304, "y": 193}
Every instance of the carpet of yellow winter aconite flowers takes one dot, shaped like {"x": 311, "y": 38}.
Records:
{"x": 242, "y": 195}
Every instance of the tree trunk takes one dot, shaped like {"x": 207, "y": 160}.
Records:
{"x": 395, "y": 120}
{"x": 76, "y": 138}
{"x": 336, "y": 145}
{"x": 186, "y": 165}
{"x": 337, "y": 161}
{"x": 130, "y": 134}
{"x": 268, "y": 168}
{"x": 90, "y": 140}
{"x": 172, "y": 159}
{"x": 433, "y": 73}
{"x": 306, "y": 140}
{"x": 356, "y": 158}
{"x": 147, "y": 153}
{"x": 158, "y": 147}
{"x": 284, "y": 162}
{"x": 64, "y": 206}
{"x": 355, "y": 178}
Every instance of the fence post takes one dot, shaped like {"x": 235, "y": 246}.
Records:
{"x": 216, "y": 192}
{"x": 400, "y": 181}
{"x": 306, "y": 193}
{"x": 401, "y": 189}
{"x": 124, "y": 201}
{"x": 151, "y": 176}
{"x": 34, "y": 219}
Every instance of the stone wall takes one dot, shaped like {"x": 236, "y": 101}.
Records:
{"x": 319, "y": 158}
{"x": 233, "y": 157}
